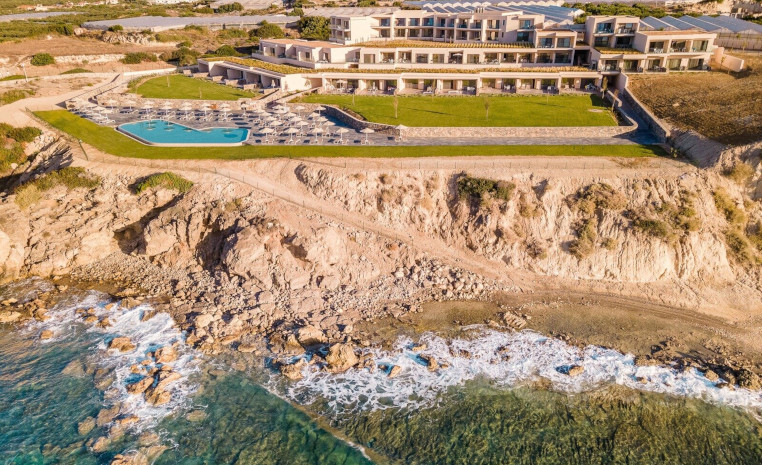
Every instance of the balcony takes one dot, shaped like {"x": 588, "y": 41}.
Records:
{"x": 545, "y": 44}
{"x": 604, "y": 30}
{"x": 700, "y": 49}
{"x": 655, "y": 50}
{"x": 608, "y": 68}
{"x": 463, "y": 26}
{"x": 625, "y": 30}
{"x": 428, "y": 22}
{"x": 385, "y": 23}
{"x": 678, "y": 50}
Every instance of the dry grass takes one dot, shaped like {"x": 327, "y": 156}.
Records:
{"x": 724, "y": 107}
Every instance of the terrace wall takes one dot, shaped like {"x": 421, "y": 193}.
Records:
{"x": 660, "y": 129}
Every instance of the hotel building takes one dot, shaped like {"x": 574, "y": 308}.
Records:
{"x": 446, "y": 49}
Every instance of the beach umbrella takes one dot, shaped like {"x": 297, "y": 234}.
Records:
{"x": 319, "y": 108}
{"x": 301, "y": 125}
{"x": 341, "y": 132}
{"x": 267, "y": 132}
{"x": 129, "y": 103}
{"x": 322, "y": 119}
{"x": 110, "y": 102}
{"x": 291, "y": 131}
{"x": 166, "y": 106}
{"x": 367, "y": 131}
{"x": 299, "y": 108}
{"x": 317, "y": 132}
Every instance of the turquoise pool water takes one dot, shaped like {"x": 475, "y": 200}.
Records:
{"x": 167, "y": 132}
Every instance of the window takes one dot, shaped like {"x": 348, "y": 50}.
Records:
{"x": 473, "y": 59}
{"x": 546, "y": 42}
{"x": 700, "y": 46}
{"x": 604, "y": 28}
{"x": 437, "y": 58}
{"x": 523, "y": 37}
{"x": 420, "y": 58}
{"x": 563, "y": 58}
{"x": 601, "y": 42}
{"x": 369, "y": 58}
{"x": 656, "y": 47}
{"x": 400, "y": 21}
{"x": 563, "y": 42}
{"x": 525, "y": 24}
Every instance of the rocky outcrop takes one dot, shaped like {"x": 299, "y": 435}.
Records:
{"x": 340, "y": 358}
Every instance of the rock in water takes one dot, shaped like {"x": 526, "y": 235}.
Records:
{"x": 341, "y": 357}
{"x": 749, "y": 380}
{"x": 576, "y": 370}
{"x": 711, "y": 376}
{"x": 74, "y": 368}
{"x": 293, "y": 371}
{"x": 85, "y": 426}
{"x": 46, "y": 334}
{"x": 431, "y": 362}
{"x": 122, "y": 344}
{"x": 396, "y": 369}
{"x": 310, "y": 335}
{"x": 157, "y": 396}
{"x": 166, "y": 354}
{"x": 140, "y": 387}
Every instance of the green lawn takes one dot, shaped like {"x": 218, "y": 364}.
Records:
{"x": 184, "y": 87}
{"x": 517, "y": 110}
{"x": 111, "y": 141}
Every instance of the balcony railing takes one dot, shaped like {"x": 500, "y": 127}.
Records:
{"x": 609, "y": 68}
{"x": 463, "y": 25}
{"x": 655, "y": 50}
{"x": 428, "y": 23}
{"x": 622, "y": 45}
{"x": 625, "y": 30}
{"x": 699, "y": 49}
{"x": 545, "y": 45}
{"x": 678, "y": 49}
{"x": 605, "y": 30}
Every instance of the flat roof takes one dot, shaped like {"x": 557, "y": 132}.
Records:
{"x": 702, "y": 23}
{"x": 327, "y": 12}
{"x": 308, "y": 43}
{"x": 165, "y": 22}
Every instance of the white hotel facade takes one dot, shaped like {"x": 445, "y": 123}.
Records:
{"x": 479, "y": 50}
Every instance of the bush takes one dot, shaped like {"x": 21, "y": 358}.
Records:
{"x": 183, "y": 56}
{"x": 740, "y": 172}
{"x": 739, "y": 245}
{"x": 71, "y": 177}
{"x": 584, "y": 244}
{"x": 232, "y": 34}
{"x": 482, "y": 189}
{"x": 135, "y": 58}
{"x": 23, "y": 134}
{"x": 116, "y": 28}
{"x": 11, "y": 96}
{"x": 63, "y": 29}
{"x": 43, "y": 59}
{"x": 728, "y": 207}
{"x": 314, "y": 27}
{"x": 267, "y": 31}
{"x": 166, "y": 180}
{"x": 226, "y": 51}
{"x": 11, "y": 154}
{"x": 184, "y": 44}
{"x": 227, "y": 8}
{"x": 597, "y": 196}
{"x": 653, "y": 227}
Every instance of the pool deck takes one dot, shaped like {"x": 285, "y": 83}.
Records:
{"x": 250, "y": 121}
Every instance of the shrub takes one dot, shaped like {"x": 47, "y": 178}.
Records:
{"x": 184, "y": 44}
{"x": 227, "y": 8}
{"x": 71, "y": 177}
{"x": 226, "y": 51}
{"x": 597, "y": 196}
{"x": 11, "y": 154}
{"x": 584, "y": 244}
{"x": 267, "y": 31}
{"x": 528, "y": 209}
{"x": 232, "y": 34}
{"x": 116, "y": 28}
{"x": 482, "y": 189}
{"x": 63, "y": 29}
{"x": 728, "y": 207}
{"x": 653, "y": 227}
{"x": 43, "y": 59}
{"x": 610, "y": 243}
{"x": 135, "y": 58}
{"x": 739, "y": 245}
{"x": 183, "y": 56}
{"x": 23, "y": 134}
{"x": 740, "y": 172}
{"x": 11, "y": 96}
{"x": 166, "y": 180}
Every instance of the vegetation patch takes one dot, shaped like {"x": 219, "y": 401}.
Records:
{"x": 669, "y": 221}
{"x": 14, "y": 95}
{"x": 12, "y": 77}
{"x": 482, "y": 190}
{"x": 740, "y": 172}
{"x": 728, "y": 207}
{"x": 587, "y": 233}
{"x": 166, "y": 180}
{"x": 134, "y": 58}
{"x": 43, "y": 59}
{"x": 494, "y": 111}
{"x": 177, "y": 86}
{"x": 599, "y": 196}
{"x": 70, "y": 177}
{"x": 12, "y": 150}
{"x": 77, "y": 71}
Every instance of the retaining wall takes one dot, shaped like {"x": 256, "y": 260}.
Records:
{"x": 660, "y": 129}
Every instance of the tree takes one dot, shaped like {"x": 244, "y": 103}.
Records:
{"x": 42, "y": 59}
{"x": 268, "y": 31}
{"x": 396, "y": 104}
{"x": 226, "y": 51}
{"x": 314, "y": 27}
{"x": 486, "y": 108}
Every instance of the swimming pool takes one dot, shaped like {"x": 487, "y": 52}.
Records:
{"x": 160, "y": 132}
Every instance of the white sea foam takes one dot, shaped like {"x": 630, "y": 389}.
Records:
{"x": 507, "y": 359}
{"x": 148, "y": 336}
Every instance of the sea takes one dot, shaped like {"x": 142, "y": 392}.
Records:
{"x": 498, "y": 397}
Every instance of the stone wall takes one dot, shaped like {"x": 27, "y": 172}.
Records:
{"x": 700, "y": 150}
{"x": 348, "y": 120}
{"x": 512, "y": 132}
{"x": 660, "y": 129}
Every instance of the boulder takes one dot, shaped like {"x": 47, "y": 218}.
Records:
{"x": 74, "y": 368}
{"x": 157, "y": 396}
{"x": 247, "y": 348}
{"x": 165, "y": 378}
{"x": 10, "y": 317}
{"x": 576, "y": 370}
{"x": 431, "y": 362}
{"x": 139, "y": 387}
{"x": 341, "y": 357}
{"x": 122, "y": 344}
{"x": 203, "y": 320}
{"x": 166, "y": 354}
{"x": 749, "y": 380}
{"x": 106, "y": 415}
{"x": 310, "y": 335}
{"x": 395, "y": 371}
{"x": 293, "y": 371}
{"x": 711, "y": 376}
{"x": 85, "y": 426}
{"x": 46, "y": 334}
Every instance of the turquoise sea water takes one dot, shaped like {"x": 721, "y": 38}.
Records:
{"x": 166, "y": 132}
{"x": 222, "y": 416}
